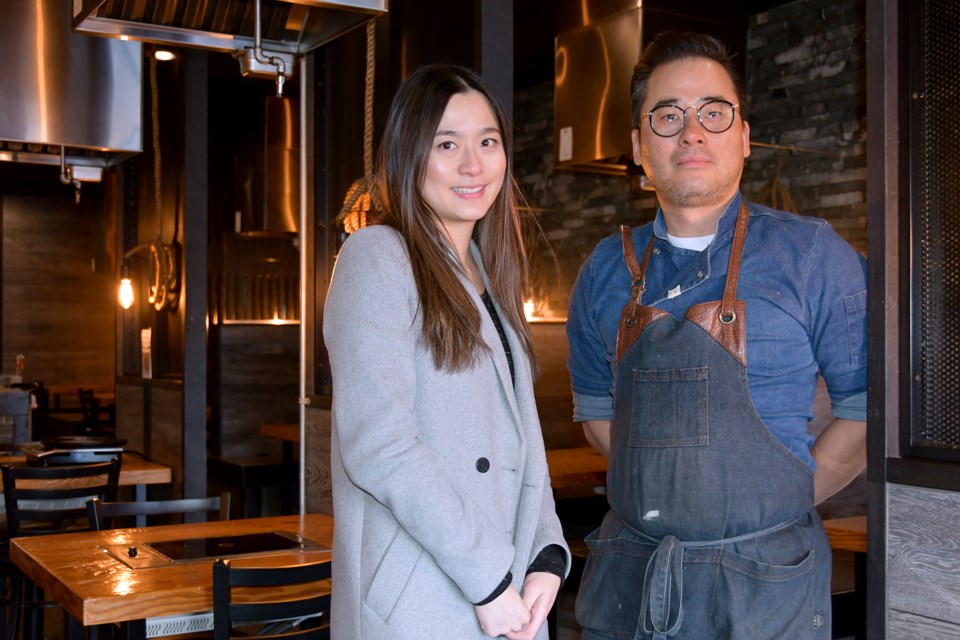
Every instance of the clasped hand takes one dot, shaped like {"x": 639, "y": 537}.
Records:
{"x": 520, "y": 617}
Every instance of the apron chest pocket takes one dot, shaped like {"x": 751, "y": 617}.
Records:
{"x": 670, "y": 408}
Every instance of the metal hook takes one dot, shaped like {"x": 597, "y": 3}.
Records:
{"x": 260, "y": 57}
{"x": 66, "y": 175}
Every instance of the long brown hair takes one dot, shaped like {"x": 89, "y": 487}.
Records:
{"x": 451, "y": 321}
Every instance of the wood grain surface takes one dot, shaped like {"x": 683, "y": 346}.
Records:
{"x": 134, "y": 470}
{"x": 95, "y": 588}
{"x": 847, "y": 533}
{"x": 923, "y": 555}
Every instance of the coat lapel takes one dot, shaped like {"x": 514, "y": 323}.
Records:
{"x": 488, "y": 331}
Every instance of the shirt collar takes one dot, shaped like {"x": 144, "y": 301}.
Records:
{"x": 724, "y": 225}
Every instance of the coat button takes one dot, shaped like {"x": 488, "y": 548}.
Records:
{"x": 483, "y": 465}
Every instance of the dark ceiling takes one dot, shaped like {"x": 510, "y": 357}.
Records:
{"x": 535, "y": 26}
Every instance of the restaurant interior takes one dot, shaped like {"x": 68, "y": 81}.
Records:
{"x": 176, "y": 179}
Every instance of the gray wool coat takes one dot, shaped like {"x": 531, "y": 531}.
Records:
{"x": 440, "y": 482}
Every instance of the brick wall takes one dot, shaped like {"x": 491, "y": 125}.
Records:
{"x": 806, "y": 87}
{"x": 806, "y": 79}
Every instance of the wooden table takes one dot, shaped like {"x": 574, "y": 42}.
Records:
{"x": 287, "y": 434}
{"x": 95, "y": 588}
{"x": 847, "y": 533}
{"x": 577, "y": 471}
{"x": 850, "y": 608}
{"x": 135, "y": 472}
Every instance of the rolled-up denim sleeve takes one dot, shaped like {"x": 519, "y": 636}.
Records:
{"x": 837, "y": 293}
{"x": 851, "y": 408}
{"x": 590, "y": 373}
{"x": 586, "y": 407}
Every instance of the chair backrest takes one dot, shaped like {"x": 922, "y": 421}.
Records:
{"x": 15, "y": 403}
{"x": 44, "y": 500}
{"x": 89, "y": 407}
{"x": 281, "y": 602}
{"x": 103, "y": 514}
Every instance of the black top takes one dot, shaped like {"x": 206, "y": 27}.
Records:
{"x": 488, "y": 303}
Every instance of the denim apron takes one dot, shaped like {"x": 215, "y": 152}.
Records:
{"x": 711, "y": 532}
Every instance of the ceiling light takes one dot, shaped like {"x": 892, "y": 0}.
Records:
{"x": 164, "y": 55}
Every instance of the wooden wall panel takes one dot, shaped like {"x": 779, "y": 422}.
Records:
{"x": 552, "y": 388}
{"x": 923, "y": 563}
{"x": 318, "y": 482}
{"x": 129, "y": 417}
{"x": 59, "y": 288}
{"x": 259, "y": 382}
{"x": 906, "y": 626}
{"x": 166, "y": 435}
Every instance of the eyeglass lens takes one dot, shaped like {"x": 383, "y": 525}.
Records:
{"x": 716, "y": 116}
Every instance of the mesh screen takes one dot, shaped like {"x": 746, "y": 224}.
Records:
{"x": 938, "y": 230}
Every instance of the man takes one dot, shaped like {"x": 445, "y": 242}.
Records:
{"x": 696, "y": 342}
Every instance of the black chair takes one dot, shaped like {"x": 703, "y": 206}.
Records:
{"x": 273, "y": 614}
{"x": 97, "y": 419}
{"x": 43, "y": 501}
{"x": 104, "y": 515}
{"x": 15, "y": 405}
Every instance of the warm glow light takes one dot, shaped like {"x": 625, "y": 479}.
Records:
{"x": 164, "y": 55}
{"x": 125, "y": 294}
{"x": 125, "y": 38}
{"x": 528, "y": 309}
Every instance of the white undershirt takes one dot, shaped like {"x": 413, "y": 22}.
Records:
{"x": 698, "y": 243}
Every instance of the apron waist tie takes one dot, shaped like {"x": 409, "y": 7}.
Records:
{"x": 661, "y": 607}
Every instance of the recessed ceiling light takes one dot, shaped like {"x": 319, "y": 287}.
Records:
{"x": 163, "y": 54}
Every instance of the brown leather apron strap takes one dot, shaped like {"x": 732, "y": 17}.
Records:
{"x": 634, "y": 317}
{"x": 637, "y": 271}
{"x": 724, "y": 319}
{"x": 727, "y": 312}
{"x": 629, "y": 255}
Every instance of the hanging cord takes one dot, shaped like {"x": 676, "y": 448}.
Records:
{"x": 368, "y": 102}
{"x": 774, "y": 194}
{"x": 356, "y": 204}
{"x": 162, "y": 259}
{"x": 157, "y": 173}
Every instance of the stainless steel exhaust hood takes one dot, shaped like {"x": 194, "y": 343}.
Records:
{"x": 289, "y": 26}
{"x": 596, "y": 49}
{"x": 66, "y": 99}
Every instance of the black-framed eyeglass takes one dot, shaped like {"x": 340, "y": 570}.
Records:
{"x": 716, "y": 116}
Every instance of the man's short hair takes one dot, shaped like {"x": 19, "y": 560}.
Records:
{"x": 669, "y": 46}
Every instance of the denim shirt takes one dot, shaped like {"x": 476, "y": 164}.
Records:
{"x": 805, "y": 294}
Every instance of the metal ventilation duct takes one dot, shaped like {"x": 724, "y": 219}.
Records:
{"x": 596, "y": 48}
{"x": 289, "y": 26}
{"x": 64, "y": 93}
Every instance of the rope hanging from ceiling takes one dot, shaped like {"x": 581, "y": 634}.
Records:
{"x": 774, "y": 194}
{"x": 163, "y": 257}
{"x": 357, "y": 203}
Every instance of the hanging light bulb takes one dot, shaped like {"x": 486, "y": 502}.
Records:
{"x": 125, "y": 294}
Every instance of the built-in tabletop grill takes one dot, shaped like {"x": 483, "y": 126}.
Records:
{"x": 74, "y": 450}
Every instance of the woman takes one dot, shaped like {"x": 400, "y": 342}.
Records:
{"x": 445, "y": 521}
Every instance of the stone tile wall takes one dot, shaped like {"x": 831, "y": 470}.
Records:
{"x": 806, "y": 81}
